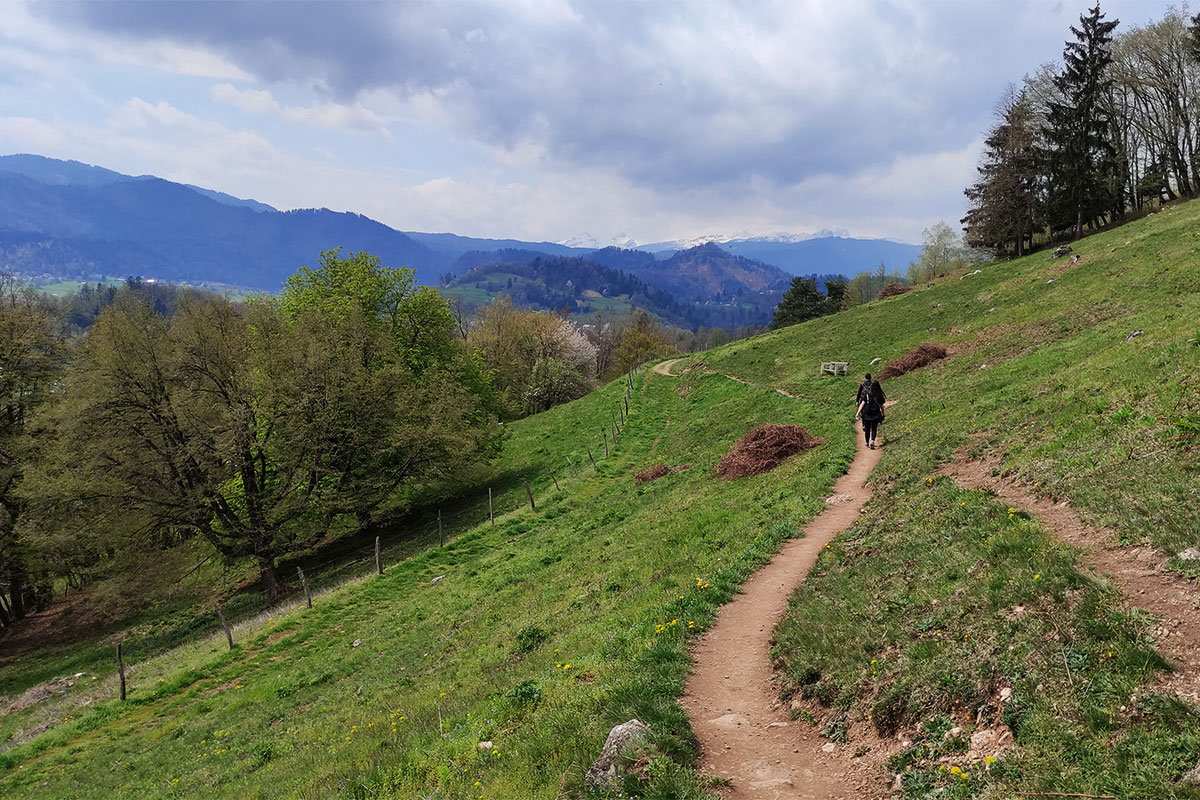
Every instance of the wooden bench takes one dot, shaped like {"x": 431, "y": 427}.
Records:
{"x": 834, "y": 367}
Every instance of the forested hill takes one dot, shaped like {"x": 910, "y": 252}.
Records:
{"x": 63, "y": 220}
{"x": 701, "y": 286}
{"x": 73, "y": 221}
{"x": 581, "y": 285}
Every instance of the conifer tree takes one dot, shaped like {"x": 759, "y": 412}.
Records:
{"x": 800, "y": 302}
{"x": 1080, "y": 158}
{"x": 1004, "y": 201}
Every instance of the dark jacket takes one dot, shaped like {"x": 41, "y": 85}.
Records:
{"x": 871, "y": 395}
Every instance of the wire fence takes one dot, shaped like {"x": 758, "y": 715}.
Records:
{"x": 342, "y": 563}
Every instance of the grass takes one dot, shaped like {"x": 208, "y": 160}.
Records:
{"x": 559, "y": 622}
{"x": 524, "y": 642}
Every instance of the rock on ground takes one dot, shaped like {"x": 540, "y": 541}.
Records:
{"x": 627, "y": 734}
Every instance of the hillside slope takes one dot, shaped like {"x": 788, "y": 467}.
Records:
{"x": 564, "y": 620}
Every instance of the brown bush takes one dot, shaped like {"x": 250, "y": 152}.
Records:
{"x": 652, "y": 474}
{"x": 893, "y": 289}
{"x": 920, "y": 356}
{"x": 765, "y": 448}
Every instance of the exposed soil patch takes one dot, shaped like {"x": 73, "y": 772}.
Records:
{"x": 892, "y": 289}
{"x": 765, "y": 448}
{"x": 652, "y": 474}
{"x": 1138, "y": 571}
{"x": 920, "y": 356}
{"x": 30, "y": 698}
{"x": 657, "y": 471}
{"x": 732, "y": 697}
{"x": 664, "y": 367}
{"x": 69, "y": 619}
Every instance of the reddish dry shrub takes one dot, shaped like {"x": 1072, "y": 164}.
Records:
{"x": 893, "y": 289}
{"x": 765, "y": 448}
{"x": 652, "y": 474}
{"x": 920, "y": 356}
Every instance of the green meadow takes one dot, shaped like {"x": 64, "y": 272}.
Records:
{"x": 540, "y": 633}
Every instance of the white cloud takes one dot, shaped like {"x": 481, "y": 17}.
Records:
{"x": 664, "y": 120}
{"x": 325, "y": 115}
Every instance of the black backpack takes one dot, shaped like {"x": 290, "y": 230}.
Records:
{"x": 873, "y": 402}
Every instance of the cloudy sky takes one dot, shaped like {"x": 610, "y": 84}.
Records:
{"x": 539, "y": 119}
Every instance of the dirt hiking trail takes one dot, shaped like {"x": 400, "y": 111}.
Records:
{"x": 664, "y": 367}
{"x": 744, "y": 732}
{"x": 1137, "y": 571}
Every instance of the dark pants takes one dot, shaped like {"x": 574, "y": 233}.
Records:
{"x": 870, "y": 426}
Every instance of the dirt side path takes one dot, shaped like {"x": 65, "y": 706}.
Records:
{"x": 1137, "y": 571}
{"x": 744, "y": 733}
{"x": 664, "y": 367}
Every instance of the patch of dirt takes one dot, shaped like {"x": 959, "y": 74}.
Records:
{"x": 765, "y": 448}
{"x": 652, "y": 474}
{"x": 226, "y": 686}
{"x": 732, "y": 696}
{"x": 1138, "y": 571}
{"x": 67, "y": 620}
{"x": 920, "y": 356}
{"x": 664, "y": 367}
{"x": 30, "y": 698}
{"x": 893, "y": 289}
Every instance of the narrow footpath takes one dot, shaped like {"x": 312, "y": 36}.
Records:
{"x": 745, "y": 734}
{"x": 1139, "y": 571}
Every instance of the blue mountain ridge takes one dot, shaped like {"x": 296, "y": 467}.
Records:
{"x": 69, "y": 220}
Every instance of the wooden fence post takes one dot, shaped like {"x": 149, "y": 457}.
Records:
{"x": 378, "y": 558}
{"x": 591, "y": 459}
{"x": 491, "y": 510}
{"x": 605, "y": 442}
{"x": 228, "y": 630}
{"x": 441, "y": 536}
{"x": 555, "y": 482}
{"x": 572, "y": 463}
{"x": 121, "y": 669}
{"x": 529, "y": 492}
{"x": 304, "y": 583}
{"x": 626, "y": 406}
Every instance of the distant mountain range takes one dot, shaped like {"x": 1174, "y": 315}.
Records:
{"x": 704, "y": 285}
{"x": 67, "y": 220}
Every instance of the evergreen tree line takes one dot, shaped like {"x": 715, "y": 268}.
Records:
{"x": 1112, "y": 130}
{"x": 942, "y": 253}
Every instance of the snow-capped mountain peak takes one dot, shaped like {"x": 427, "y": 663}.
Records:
{"x": 586, "y": 240}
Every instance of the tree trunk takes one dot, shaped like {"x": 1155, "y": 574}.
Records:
{"x": 16, "y": 593}
{"x": 273, "y": 585}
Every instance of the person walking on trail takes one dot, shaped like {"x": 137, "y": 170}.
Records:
{"x": 870, "y": 401}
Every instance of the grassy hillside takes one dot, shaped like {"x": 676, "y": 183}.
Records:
{"x": 583, "y": 582}
{"x": 1081, "y": 379}
{"x": 559, "y": 622}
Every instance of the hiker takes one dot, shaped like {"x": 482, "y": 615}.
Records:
{"x": 870, "y": 401}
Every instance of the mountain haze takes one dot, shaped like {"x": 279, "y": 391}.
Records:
{"x": 67, "y": 220}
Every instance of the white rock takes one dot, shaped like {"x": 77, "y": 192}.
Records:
{"x": 485, "y": 745}
{"x": 1191, "y": 554}
{"x": 604, "y": 770}
{"x": 828, "y": 747}
{"x": 357, "y": 642}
